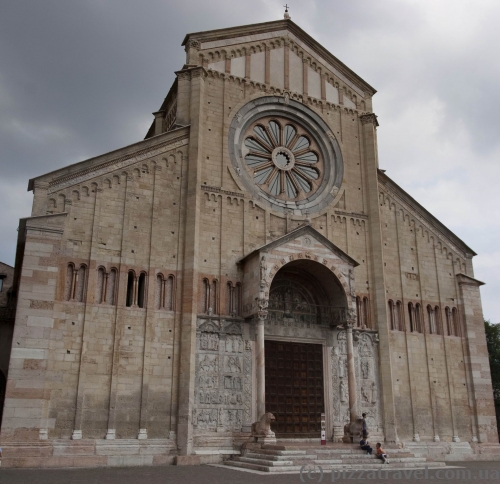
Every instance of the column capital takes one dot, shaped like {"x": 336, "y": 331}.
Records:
{"x": 369, "y": 118}
{"x": 262, "y": 315}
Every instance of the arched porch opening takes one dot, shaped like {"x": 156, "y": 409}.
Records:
{"x": 306, "y": 300}
{"x": 307, "y": 291}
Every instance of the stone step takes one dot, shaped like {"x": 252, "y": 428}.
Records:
{"x": 368, "y": 456}
{"x": 263, "y": 468}
{"x": 391, "y": 465}
{"x": 357, "y": 461}
{"x": 269, "y": 463}
{"x": 336, "y": 467}
{"x": 258, "y": 455}
{"x": 282, "y": 452}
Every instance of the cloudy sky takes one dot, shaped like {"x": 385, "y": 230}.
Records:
{"x": 80, "y": 78}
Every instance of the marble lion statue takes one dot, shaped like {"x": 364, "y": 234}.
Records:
{"x": 263, "y": 426}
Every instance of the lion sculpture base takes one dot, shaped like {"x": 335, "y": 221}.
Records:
{"x": 353, "y": 431}
{"x": 261, "y": 430}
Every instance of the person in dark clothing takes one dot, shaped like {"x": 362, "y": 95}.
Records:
{"x": 365, "y": 428}
{"x": 365, "y": 446}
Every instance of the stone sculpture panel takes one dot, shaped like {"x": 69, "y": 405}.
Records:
{"x": 367, "y": 378}
{"x": 223, "y": 396}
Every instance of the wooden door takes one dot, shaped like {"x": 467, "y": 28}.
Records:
{"x": 294, "y": 388}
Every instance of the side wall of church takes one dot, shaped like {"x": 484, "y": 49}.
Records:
{"x": 85, "y": 360}
{"x": 427, "y": 335}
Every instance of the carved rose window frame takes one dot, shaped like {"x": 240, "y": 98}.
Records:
{"x": 283, "y": 158}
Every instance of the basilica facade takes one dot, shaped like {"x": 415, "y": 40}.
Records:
{"x": 247, "y": 256}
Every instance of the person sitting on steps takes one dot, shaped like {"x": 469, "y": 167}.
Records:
{"x": 363, "y": 443}
{"x": 381, "y": 453}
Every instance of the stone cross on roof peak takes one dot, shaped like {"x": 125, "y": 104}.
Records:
{"x": 287, "y": 15}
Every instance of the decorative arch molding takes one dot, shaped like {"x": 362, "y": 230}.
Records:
{"x": 302, "y": 244}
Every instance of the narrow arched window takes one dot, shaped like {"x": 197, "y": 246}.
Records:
{"x": 439, "y": 322}
{"x": 237, "y": 300}
{"x": 159, "y": 296}
{"x": 399, "y": 317}
{"x": 130, "y": 289}
{"x": 81, "y": 280}
{"x": 411, "y": 317}
{"x": 392, "y": 314}
{"x": 456, "y": 322}
{"x": 141, "y": 290}
{"x": 111, "y": 286}
{"x": 204, "y": 296}
{"x": 229, "y": 298}
{"x": 213, "y": 296}
{"x": 359, "y": 312}
{"x": 100, "y": 285}
{"x": 366, "y": 313}
{"x": 170, "y": 293}
{"x": 68, "y": 284}
{"x": 418, "y": 318}
{"x": 431, "y": 320}
{"x": 449, "y": 327}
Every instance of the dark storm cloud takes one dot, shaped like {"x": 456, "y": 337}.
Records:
{"x": 78, "y": 79}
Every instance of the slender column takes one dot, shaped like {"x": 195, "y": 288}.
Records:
{"x": 135, "y": 292}
{"x": 73, "y": 284}
{"x": 261, "y": 373}
{"x": 351, "y": 374}
{"x": 104, "y": 288}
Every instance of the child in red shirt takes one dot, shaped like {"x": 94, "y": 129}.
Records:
{"x": 381, "y": 453}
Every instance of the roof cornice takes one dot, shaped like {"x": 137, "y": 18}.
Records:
{"x": 75, "y": 171}
{"x": 436, "y": 225}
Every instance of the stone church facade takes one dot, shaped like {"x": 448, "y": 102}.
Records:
{"x": 247, "y": 256}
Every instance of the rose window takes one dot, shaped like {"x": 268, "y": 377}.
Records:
{"x": 283, "y": 159}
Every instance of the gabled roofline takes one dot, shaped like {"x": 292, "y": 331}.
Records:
{"x": 305, "y": 228}
{"x": 288, "y": 24}
{"x": 436, "y": 224}
{"x": 94, "y": 162}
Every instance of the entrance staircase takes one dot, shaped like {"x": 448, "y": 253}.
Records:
{"x": 290, "y": 458}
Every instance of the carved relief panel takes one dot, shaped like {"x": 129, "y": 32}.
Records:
{"x": 223, "y": 394}
{"x": 367, "y": 378}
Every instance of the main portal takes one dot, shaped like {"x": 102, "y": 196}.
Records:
{"x": 294, "y": 387}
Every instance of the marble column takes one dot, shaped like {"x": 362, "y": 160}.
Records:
{"x": 351, "y": 374}
{"x": 261, "y": 367}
